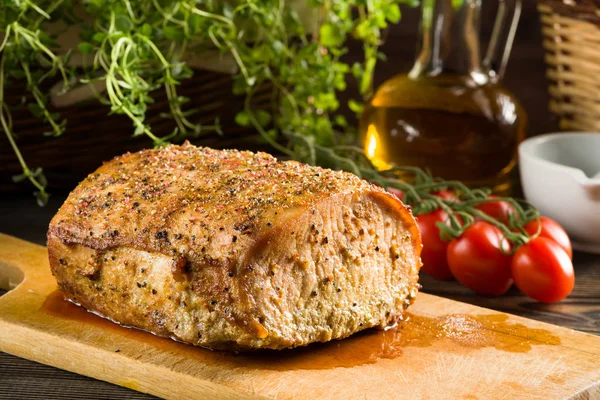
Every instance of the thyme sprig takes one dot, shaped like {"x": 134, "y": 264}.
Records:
{"x": 24, "y": 47}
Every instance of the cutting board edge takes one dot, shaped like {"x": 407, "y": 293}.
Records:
{"x": 109, "y": 372}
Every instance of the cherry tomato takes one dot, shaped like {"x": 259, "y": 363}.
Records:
{"x": 499, "y": 210}
{"x": 543, "y": 270}
{"x": 399, "y": 193}
{"x": 477, "y": 262}
{"x": 433, "y": 254}
{"x": 553, "y": 231}
{"x": 446, "y": 195}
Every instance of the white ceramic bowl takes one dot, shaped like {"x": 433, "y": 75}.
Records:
{"x": 560, "y": 173}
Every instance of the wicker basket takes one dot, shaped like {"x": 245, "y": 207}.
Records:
{"x": 571, "y": 32}
{"x": 92, "y": 136}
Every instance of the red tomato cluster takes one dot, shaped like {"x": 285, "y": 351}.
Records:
{"x": 482, "y": 259}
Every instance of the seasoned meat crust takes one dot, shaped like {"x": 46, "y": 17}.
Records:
{"x": 234, "y": 250}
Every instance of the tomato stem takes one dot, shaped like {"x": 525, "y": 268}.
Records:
{"x": 421, "y": 196}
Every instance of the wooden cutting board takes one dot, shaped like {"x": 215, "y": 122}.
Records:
{"x": 445, "y": 350}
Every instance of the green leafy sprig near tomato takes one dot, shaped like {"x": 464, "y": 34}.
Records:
{"x": 486, "y": 242}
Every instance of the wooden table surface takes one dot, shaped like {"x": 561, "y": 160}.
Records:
{"x": 19, "y": 216}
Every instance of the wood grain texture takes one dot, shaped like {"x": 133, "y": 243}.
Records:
{"x": 522, "y": 359}
{"x": 581, "y": 310}
{"x": 21, "y": 379}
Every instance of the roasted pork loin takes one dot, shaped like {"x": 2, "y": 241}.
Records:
{"x": 234, "y": 250}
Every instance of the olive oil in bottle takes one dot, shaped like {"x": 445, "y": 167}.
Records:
{"x": 449, "y": 114}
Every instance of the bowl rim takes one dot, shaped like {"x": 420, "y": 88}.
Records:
{"x": 526, "y": 151}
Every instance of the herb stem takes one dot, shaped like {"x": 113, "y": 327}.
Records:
{"x": 5, "y": 40}
{"x": 36, "y": 8}
{"x": 38, "y": 98}
{"x": 209, "y": 15}
{"x": 260, "y": 129}
{"x": 43, "y": 196}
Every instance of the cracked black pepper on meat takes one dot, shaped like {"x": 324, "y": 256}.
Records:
{"x": 234, "y": 250}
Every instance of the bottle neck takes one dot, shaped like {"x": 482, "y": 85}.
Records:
{"x": 449, "y": 40}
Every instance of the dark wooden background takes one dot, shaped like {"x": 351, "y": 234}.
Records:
{"x": 20, "y": 217}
